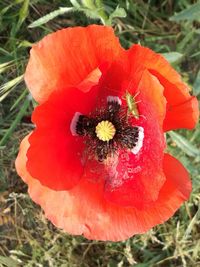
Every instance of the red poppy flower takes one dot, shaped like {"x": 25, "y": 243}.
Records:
{"x": 96, "y": 162}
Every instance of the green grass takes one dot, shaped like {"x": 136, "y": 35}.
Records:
{"x": 26, "y": 237}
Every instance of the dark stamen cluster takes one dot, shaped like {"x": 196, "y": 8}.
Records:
{"x": 126, "y": 136}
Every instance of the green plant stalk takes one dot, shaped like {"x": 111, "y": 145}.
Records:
{"x": 15, "y": 122}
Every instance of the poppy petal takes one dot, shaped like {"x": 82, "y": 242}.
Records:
{"x": 85, "y": 211}
{"x": 175, "y": 90}
{"x": 138, "y": 178}
{"x": 68, "y": 57}
{"x": 91, "y": 80}
{"x": 54, "y": 157}
{"x": 184, "y": 115}
{"x": 182, "y": 109}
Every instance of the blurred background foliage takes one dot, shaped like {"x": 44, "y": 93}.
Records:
{"x": 26, "y": 237}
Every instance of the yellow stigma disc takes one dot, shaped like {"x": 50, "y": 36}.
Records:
{"x": 105, "y": 130}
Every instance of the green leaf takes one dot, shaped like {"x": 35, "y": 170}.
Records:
{"x": 196, "y": 87}
{"x": 94, "y": 10}
{"x": 172, "y": 57}
{"x": 118, "y": 12}
{"x": 52, "y": 15}
{"x": 184, "y": 144}
{"x": 25, "y": 43}
{"x": 191, "y": 13}
{"x": 6, "y": 261}
{"x": 89, "y": 4}
{"x": 92, "y": 14}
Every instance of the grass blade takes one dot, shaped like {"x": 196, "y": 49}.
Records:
{"x": 19, "y": 100}
{"x": 5, "y": 66}
{"x": 192, "y": 223}
{"x": 196, "y": 87}
{"x": 15, "y": 122}
{"x": 50, "y": 16}
{"x": 184, "y": 144}
{"x": 23, "y": 13}
{"x": 6, "y": 88}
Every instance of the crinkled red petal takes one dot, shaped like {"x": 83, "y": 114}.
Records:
{"x": 135, "y": 180}
{"x": 184, "y": 115}
{"x": 70, "y": 57}
{"x": 175, "y": 90}
{"x": 54, "y": 156}
{"x": 84, "y": 210}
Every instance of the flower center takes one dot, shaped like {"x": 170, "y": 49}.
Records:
{"x": 108, "y": 130}
{"x": 105, "y": 131}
